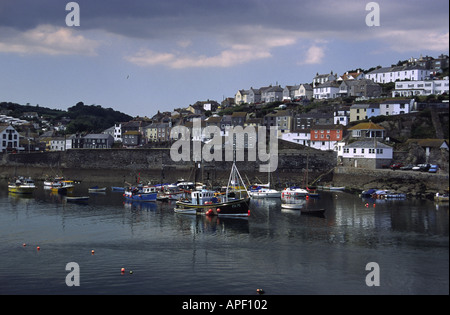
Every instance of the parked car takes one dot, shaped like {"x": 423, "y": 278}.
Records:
{"x": 433, "y": 168}
{"x": 395, "y": 166}
{"x": 421, "y": 167}
{"x": 407, "y": 167}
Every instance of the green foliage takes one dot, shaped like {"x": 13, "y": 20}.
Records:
{"x": 93, "y": 118}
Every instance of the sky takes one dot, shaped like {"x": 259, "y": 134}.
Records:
{"x": 144, "y": 56}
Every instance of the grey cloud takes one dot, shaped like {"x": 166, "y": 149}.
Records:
{"x": 179, "y": 18}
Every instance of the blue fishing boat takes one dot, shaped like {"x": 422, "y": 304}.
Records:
{"x": 141, "y": 193}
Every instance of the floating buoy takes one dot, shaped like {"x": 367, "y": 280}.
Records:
{"x": 24, "y": 244}
{"x": 92, "y": 251}
{"x": 248, "y": 213}
{"x": 38, "y": 248}
{"x": 260, "y": 291}
{"x": 122, "y": 270}
{"x": 131, "y": 272}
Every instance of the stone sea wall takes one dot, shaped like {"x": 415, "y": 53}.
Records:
{"x": 156, "y": 165}
{"x": 117, "y": 166}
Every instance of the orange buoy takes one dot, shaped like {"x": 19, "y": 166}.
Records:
{"x": 38, "y": 248}
{"x": 24, "y": 244}
{"x": 122, "y": 270}
{"x": 92, "y": 251}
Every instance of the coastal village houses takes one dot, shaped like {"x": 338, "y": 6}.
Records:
{"x": 398, "y": 73}
{"x": 370, "y": 154}
{"x": 9, "y": 138}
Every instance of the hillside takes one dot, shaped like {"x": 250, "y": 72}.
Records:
{"x": 83, "y": 118}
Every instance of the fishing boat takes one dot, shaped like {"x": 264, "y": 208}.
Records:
{"x": 55, "y": 182}
{"x": 294, "y": 192}
{"x": 235, "y": 201}
{"x": 67, "y": 186}
{"x": 141, "y": 193}
{"x": 96, "y": 189}
{"x": 22, "y": 186}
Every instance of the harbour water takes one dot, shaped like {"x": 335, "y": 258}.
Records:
{"x": 165, "y": 253}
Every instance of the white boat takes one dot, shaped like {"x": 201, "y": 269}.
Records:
{"x": 294, "y": 192}
{"x": 96, "y": 189}
{"x": 293, "y": 206}
{"x": 56, "y": 182}
{"x": 264, "y": 193}
{"x": 334, "y": 188}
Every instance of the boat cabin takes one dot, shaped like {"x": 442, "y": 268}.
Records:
{"x": 199, "y": 197}
{"x": 148, "y": 189}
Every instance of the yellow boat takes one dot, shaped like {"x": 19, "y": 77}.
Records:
{"x": 67, "y": 186}
{"x": 22, "y": 186}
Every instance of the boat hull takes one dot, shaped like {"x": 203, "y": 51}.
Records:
{"x": 21, "y": 189}
{"x": 238, "y": 207}
{"x": 141, "y": 197}
{"x": 263, "y": 194}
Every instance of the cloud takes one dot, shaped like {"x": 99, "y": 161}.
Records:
{"x": 226, "y": 58}
{"x": 314, "y": 55}
{"x": 414, "y": 40}
{"x": 46, "y": 39}
{"x": 234, "y": 47}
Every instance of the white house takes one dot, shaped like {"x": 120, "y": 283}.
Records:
{"x": 396, "y": 107}
{"x": 365, "y": 154}
{"x": 9, "y": 138}
{"x": 322, "y": 78}
{"x": 341, "y": 117}
{"x": 398, "y": 73}
{"x": 117, "y": 133}
{"x": 299, "y": 137}
{"x": 327, "y": 90}
{"x": 57, "y": 144}
{"x": 423, "y": 87}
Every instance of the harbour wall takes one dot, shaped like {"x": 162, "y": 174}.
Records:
{"x": 156, "y": 165}
{"x": 295, "y": 166}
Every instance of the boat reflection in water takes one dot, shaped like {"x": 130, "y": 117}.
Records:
{"x": 140, "y": 205}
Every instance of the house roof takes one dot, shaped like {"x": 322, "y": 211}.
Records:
{"x": 396, "y": 68}
{"x": 327, "y": 127}
{"x": 366, "y": 126}
{"x": 368, "y": 144}
{"x": 432, "y": 143}
{"x": 239, "y": 114}
{"x": 100, "y": 135}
